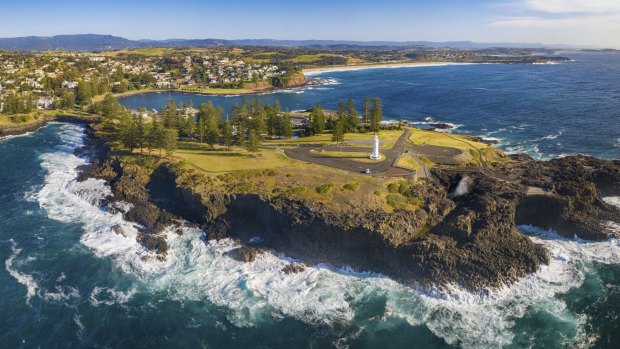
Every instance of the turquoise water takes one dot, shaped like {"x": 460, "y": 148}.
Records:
{"x": 70, "y": 281}
{"x": 546, "y": 110}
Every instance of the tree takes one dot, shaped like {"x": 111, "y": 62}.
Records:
{"x": 339, "y": 130}
{"x": 140, "y": 132}
{"x": 366, "y": 110}
{"x": 170, "y": 140}
{"x": 128, "y": 132}
{"x": 253, "y": 141}
{"x": 287, "y": 127}
{"x": 208, "y": 123}
{"x": 153, "y": 137}
{"x": 169, "y": 114}
{"x": 317, "y": 120}
{"x": 352, "y": 117}
{"x": 84, "y": 93}
{"x": 227, "y": 134}
{"x": 376, "y": 114}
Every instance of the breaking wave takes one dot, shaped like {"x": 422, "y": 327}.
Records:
{"x": 322, "y": 295}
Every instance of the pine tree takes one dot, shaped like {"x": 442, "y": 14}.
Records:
{"x": 366, "y": 110}
{"x": 317, "y": 120}
{"x": 140, "y": 132}
{"x": 227, "y": 134}
{"x": 339, "y": 130}
{"x": 376, "y": 114}
{"x": 253, "y": 141}
{"x": 287, "y": 127}
{"x": 127, "y": 132}
{"x": 170, "y": 139}
{"x": 352, "y": 117}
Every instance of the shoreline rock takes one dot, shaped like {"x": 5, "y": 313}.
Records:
{"x": 470, "y": 240}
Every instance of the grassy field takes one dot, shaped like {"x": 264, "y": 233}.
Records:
{"x": 355, "y": 156}
{"x": 220, "y": 159}
{"x": 408, "y": 162}
{"x": 149, "y": 52}
{"x": 387, "y": 138}
{"x": 310, "y": 58}
{"x": 424, "y": 137}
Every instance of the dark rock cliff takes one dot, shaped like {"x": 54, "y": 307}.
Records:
{"x": 470, "y": 240}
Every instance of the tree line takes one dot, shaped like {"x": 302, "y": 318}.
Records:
{"x": 247, "y": 125}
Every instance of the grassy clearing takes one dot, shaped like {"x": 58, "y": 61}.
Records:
{"x": 424, "y": 137}
{"x": 221, "y": 160}
{"x": 408, "y": 162}
{"x": 310, "y": 58}
{"x": 149, "y": 52}
{"x": 386, "y": 137}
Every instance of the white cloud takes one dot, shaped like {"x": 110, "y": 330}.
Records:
{"x": 556, "y": 22}
{"x": 581, "y": 22}
{"x": 573, "y": 6}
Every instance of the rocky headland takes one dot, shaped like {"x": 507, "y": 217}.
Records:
{"x": 463, "y": 231}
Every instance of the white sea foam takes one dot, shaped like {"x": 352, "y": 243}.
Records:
{"x": 22, "y": 278}
{"x": 62, "y": 293}
{"x": 612, "y": 200}
{"x": 107, "y": 296}
{"x": 260, "y": 291}
{"x": 6, "y": 138}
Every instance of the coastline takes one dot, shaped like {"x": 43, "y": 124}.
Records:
{"x": 339, "y": 68}
{"x": 24, "y": 128}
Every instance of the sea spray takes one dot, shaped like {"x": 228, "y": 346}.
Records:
{"x": 462, "y": 187}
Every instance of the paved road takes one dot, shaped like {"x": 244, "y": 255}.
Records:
{"x": 305, "y": 153}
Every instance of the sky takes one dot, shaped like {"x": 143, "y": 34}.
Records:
{"x": 585, "y": 23}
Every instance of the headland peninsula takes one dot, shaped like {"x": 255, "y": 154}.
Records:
{"x": 435, "y": 209}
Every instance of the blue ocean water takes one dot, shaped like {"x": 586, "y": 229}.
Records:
{"x": 545, "y": 110}
{"x": 70, "y": 280}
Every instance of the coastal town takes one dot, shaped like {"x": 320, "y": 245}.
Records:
{"x": 61, "y": 80}
{"x": 66, "y": 80}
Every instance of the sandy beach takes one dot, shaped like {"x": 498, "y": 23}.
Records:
{"x": 320, "y": 70}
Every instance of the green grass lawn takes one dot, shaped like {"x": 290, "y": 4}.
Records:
{"x": 310, "y": 58}
{"x": 408, "y": 162}
{"x": 424, "y": 137}
{"x": 386, "y": 137}
{"x": 221, "y": 160}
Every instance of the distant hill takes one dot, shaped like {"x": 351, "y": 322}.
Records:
{"x": 81, "y": 42}
{"x": 94, "y": 42}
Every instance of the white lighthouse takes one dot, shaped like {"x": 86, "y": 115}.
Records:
{"x": 375, "y": 149}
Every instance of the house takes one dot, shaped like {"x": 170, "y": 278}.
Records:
{"x": 45, "y": 102}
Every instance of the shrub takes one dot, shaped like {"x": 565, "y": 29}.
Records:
{"x": 324, "y": 188}
{"x": 393, "y": 188}
{"x": 396, "y": 201}
{"x": 351, "y": 186}
{"x": 416, "y": 201}
{"x": 294, "y": 191}
{"x": 245, "y": 187}
{"x": 378, "y": 192}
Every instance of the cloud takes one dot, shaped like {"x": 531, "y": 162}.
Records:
{"x": 582, "y": 22}
{"x": 556, "y": 22}
{"x": 573, "y": 6}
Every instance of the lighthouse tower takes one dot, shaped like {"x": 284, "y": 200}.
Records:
{"x": 375, "y": 149}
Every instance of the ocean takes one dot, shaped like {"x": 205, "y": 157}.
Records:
{"x": 70, "y": 281}
{"x": 544, "y": 110}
